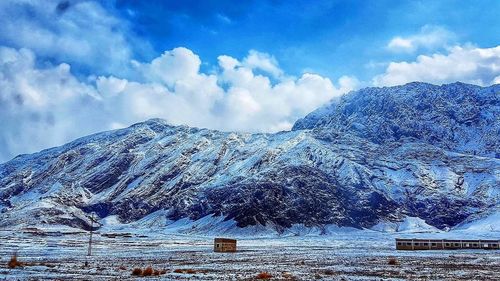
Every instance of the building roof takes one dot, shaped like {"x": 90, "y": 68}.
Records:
{"x": 225, "y": 240}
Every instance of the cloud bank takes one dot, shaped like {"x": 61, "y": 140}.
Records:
{"x": 47, "y": 106}
{"x": 44, "y": 105}
{"x": 468, "y": 64}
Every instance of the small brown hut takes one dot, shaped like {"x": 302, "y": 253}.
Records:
{"x": 224, "y": 245}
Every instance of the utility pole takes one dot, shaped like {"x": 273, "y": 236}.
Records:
{"x": 92, "y": 219}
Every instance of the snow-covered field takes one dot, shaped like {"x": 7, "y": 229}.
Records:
{"x": 346, "y": 254}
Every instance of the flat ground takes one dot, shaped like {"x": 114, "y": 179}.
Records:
{"x": 346, "y": 256}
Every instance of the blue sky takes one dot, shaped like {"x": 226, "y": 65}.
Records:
{"x": 332, "y": 38}
{"x": 69, "y": 68}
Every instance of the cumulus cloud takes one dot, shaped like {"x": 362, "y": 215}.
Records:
{"x": 48, "y": 106}
{"x": 264, "y": 62}
{"x": 468, "y": 64}
{"x": 429, "y": 37}
{"x": 40, "y": 106}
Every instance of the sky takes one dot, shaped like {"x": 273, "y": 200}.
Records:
{"x": 74, "y": 67}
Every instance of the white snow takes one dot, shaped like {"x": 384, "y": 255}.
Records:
{"x": 408, "y": 225}
{"x": 413, "y": 224}
{"x": 488, "y": 224}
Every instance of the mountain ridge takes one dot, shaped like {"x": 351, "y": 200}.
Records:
{"x": 320, "y": 173}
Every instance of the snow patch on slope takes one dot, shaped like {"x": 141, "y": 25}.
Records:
{"x": 408, "y": 225}
{"x": 490, "y": 223}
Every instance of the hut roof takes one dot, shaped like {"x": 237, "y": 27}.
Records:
{"x": 225, "y": 240}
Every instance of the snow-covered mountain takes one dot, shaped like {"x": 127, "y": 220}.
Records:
{"x": 457, "y": 117}
{"x": 378, "y": 156}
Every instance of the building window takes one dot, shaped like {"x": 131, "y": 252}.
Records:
{"x": 434, "y": 244}
{"x": 457, "y": 244}
{"x": 218, "y": 246}
{"x": 399, "y": 243}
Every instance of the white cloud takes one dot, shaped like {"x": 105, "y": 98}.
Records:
{"x": 468, "y": 64}
{"x": 429, "y": 37}
{"x": 41, "y": 107}
{"x": 171, "y": 66}
{"x": 264, "y": 62}
{"x": 82, "y": 33}
{"x": 48, "y": 106}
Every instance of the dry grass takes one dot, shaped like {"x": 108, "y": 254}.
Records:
{"x": 187, "y": 271}
{"x": 393, "y": 261}
{"x": 264, "y": 275}
{"x": 13, "y": 263}
{"x": 148, "y": 271}
{"x": 137, "y": 272}
{"x": 122, "y": 268}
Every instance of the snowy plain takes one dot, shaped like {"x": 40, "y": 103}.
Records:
{"x": 184, "y": 250}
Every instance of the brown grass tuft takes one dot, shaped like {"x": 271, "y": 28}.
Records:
{"x": 190, "y": 271}
{"x": 393, "y": 261}
{"x": 148, "y": 271}
{"x": 156, "y": 272}
{"x": 164, "y": 271}
{"x": 178, "y": 270}
{"x": 122, "y": 268}
{"x": 264, "y": 275}
{"x": 137, "y": 272}
{"x": 13, "y": 263}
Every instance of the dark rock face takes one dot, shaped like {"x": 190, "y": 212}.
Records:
{"x": 378, "y": 155}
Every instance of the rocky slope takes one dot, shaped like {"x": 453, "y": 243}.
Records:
{"x": 378, "y": 155}
{"x": 457, "y": 117}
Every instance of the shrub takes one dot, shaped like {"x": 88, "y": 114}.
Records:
{"x": 178, "y": 270}
{"x": 148, "y": 271}
{"x": 264, "y": 275}
{"x": 156, "y": 273}
{"x": 137, "y": 272}
{"x": 190, "y": 271}
{"x": 393, "y": 261}
{"x": 329, "y": 272}
{"x": 122, "y": 268}
{"x": 164, "y": 271}
{"x": 13, "y": 263}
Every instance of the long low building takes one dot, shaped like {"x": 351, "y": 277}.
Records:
{"x": 443, "y": 244}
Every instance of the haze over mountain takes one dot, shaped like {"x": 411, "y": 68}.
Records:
{"x": 376, "y": 156}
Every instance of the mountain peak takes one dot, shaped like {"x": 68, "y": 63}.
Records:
{"x": 459, "y": 117}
